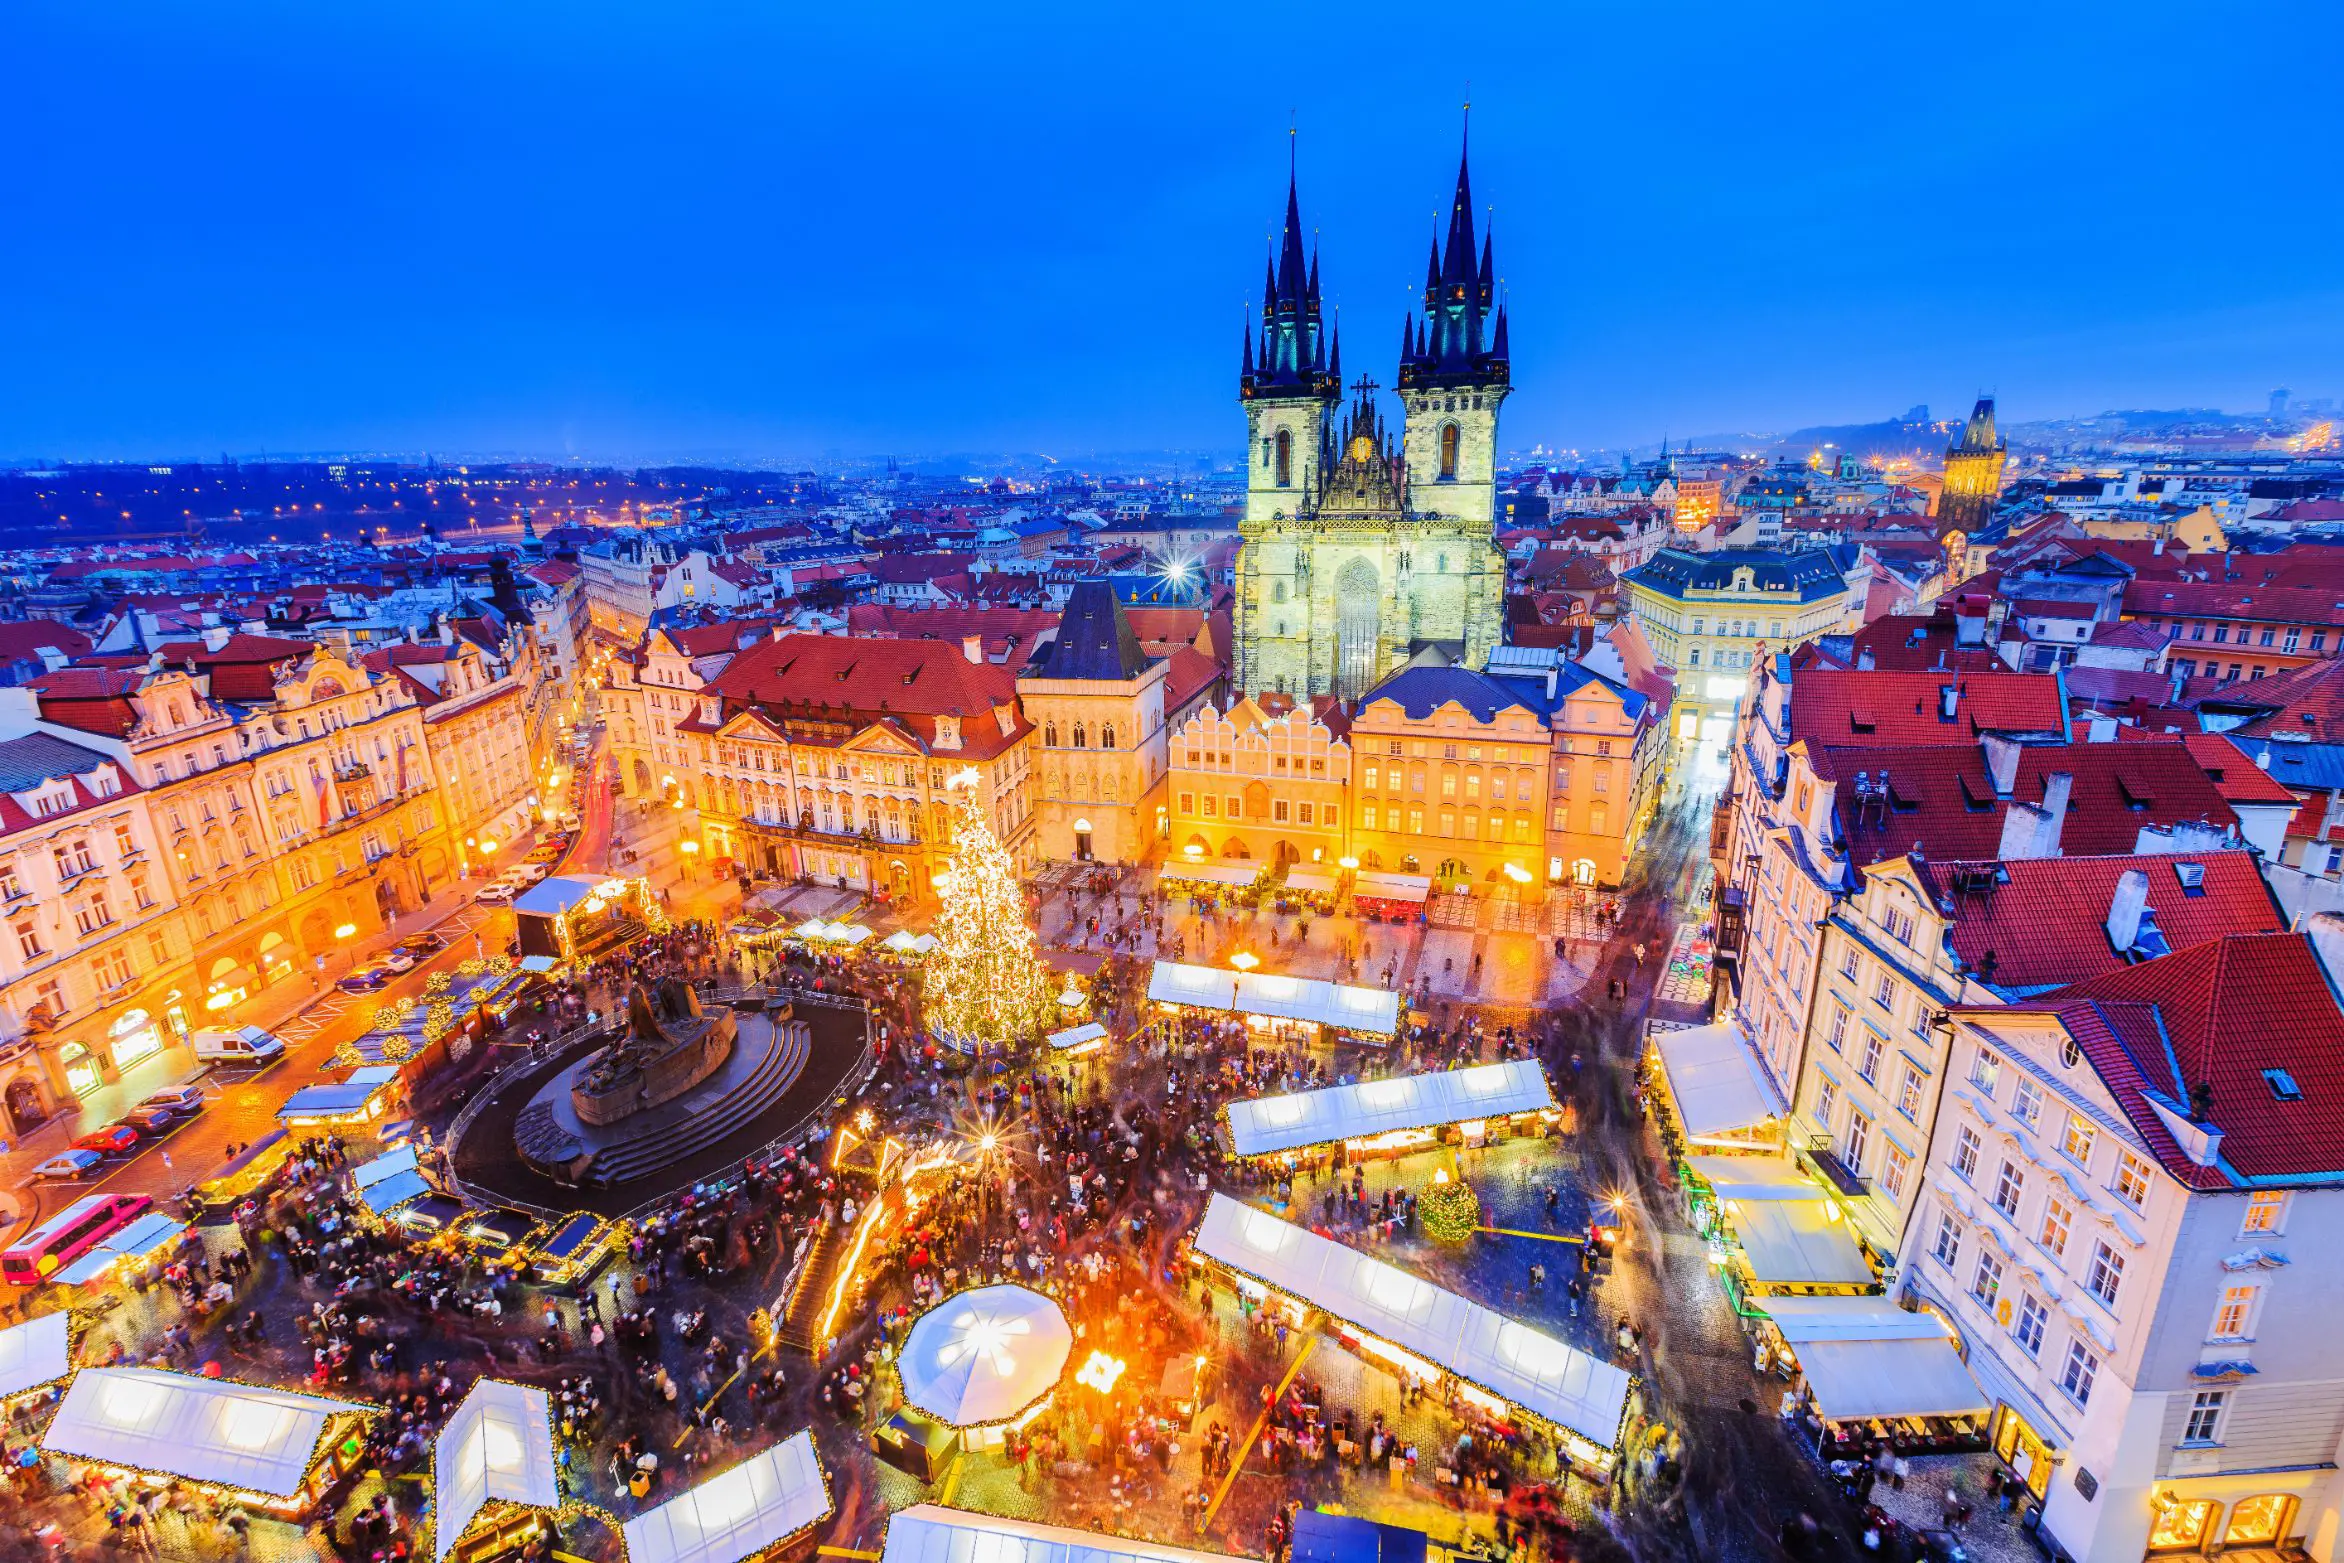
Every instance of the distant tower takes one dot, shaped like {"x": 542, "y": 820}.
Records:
{"x": 1290, "y": 385}
{"x": 1454, "y": 373}
{"x": 1973, "y": 474}
{"x": 2279, "y": 402}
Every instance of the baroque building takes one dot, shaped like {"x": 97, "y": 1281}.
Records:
{"x": 1356, "y": 557}
{"x": 1098, "y": 699}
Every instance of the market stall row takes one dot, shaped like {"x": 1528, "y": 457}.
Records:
{"x": 1396, "y": 1113}
{"x": 1273, "y": 1001}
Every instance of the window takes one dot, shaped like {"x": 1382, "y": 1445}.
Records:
{"x": 1278, "y": 811}
{"x": 2032, "y": 1316}
{"x": 2009, "y": 1187}
{"x": 1884, "y": 991}
{"x": 1859, "y": 1136}
{"x": 1448, "y": 451}
{"x": 1948, "y": 1245}
{"x": 2132, "y": 1179}
{"x": 2234, "y": 1315}
{"x": 1908, "y": 1094}
{"x": 2058, "y": 1221}
{"x": 1284, "y": 458}
{"x": 1895, "y": 1167}
{"x": 1212, "y": 807}
{"x": 2077, "y": 1141}
{"x": 1986, "y": 1070}
{"x": 2082, "y": 1367}
{"x": 1839, "y": 1030}
{"x": 125, "y": 841}
{"x": 2266, "y": 1211}
{"x": 2027, "y": 1101}
{"x": 28, "y": 940}
{"x": 1966, "y": 1146}
{"x": 1870, "y": 1068}
{"x": 1847, "y": 965}
{"x": 1188, "y": 803}
{"x": 1986, "y": 1282}
{"x": 1826, "y": 1098}
{"x": 2106, "y": 1278}
{"x": 2205, "y": 1417}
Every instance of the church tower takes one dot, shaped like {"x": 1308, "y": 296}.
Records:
{"x": 1973, "y": 475}
{"x": 1454, "y": 374}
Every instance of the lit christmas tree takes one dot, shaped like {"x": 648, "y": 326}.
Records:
{"x": 984, "y": 987}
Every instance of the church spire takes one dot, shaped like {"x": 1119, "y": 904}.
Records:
{"x": 1459, "y": 345}
{"x": 1293, "y": 356}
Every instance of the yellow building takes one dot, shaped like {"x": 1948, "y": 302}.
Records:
{"x": 1251, "y": 786}
{"x": 1610, "y": 747}
{"x": 1099, "y": 701}
{"x": 2199, "y": 531}
{"x": 1710, "y": 617}
{"x": 1451, "y": 768}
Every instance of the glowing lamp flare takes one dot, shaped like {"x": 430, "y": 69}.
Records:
{"x": 1100, "y": 1372}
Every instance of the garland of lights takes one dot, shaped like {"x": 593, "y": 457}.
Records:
{"x": 1448, "y": 1210}
{"x": 983, "y": 985}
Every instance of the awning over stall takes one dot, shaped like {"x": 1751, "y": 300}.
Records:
{"x": 1519, "y": 1365}
{"x": 931, "y": 1533}
{"x": 1310, "y": 883}
{"x": 36, "y": 1352}
{"x": 1715, "y": 1081}
{"x": 738, "y": 1513}
{"x": 1391, "y": 887}
{"x": 142, "y": 1237}
{"x": 1205, "y": 987}
{"x": 1753, "y": 1177}
{"x": 1796, "y": 1242}
{"x": 1263, "y": 1125}
{"x": 215, "y": 1431}
{"x": 984, "y": 1356}
{"x": 497, "y": 1447}
{"x": 553, "y": 896}
{"x": 1208, "y": 874}
{"x": 1866, "y": 1357}
{"x": 1076, "y": 1036}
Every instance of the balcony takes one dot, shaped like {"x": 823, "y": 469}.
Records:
{"x": 1825, "y": 1158}
{"x": 804, "y": 829}
{"x": 356, "y": 770}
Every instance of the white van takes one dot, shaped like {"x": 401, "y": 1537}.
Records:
{"x": 244, "y": 1045}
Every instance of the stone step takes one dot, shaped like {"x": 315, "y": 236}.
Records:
{"x": 775, "y": 1074}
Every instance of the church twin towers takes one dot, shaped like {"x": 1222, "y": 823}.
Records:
{"x": 1356, "y": 556}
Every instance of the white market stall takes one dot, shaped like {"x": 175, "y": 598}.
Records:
{"x": 143, "y": 1238}
{"x": 1412, "y": 1324}
{"x": 931, "y": 1533}
{"x": 359, "y": 1098}
{"x": 1718, "y": 1092}
{"x": 269, "y": 1446}
{"x": 1075, "y": 1041}
{"x": 1864, "y": 1360}
{"x": 1196, "y": 987}
{"x": 739, "y": 1513}
{"x": 1271, "y": 999}
{"x": 982, "y": 1359}
{"x": 1393, "y": 1113}
{"x": 390, "y": 1181}
{"x": 1206, "y": 874}
{"x": 494, "y": 1457}
{"x": 35, "y": 1354}
{"x": 1310, "y": 882}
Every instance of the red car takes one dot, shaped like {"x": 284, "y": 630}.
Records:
{"x": 112, "y": 1140}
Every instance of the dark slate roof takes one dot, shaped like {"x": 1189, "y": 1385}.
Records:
{"x": 1803, "y": 575}
{"x": 1421, "y": 691}
{"x": 27, "y": 762}
{"x": 1095, "y": 639}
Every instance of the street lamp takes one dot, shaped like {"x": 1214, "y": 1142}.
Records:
{"x": 1245, "y": 960}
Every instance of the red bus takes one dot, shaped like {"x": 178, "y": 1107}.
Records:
{"x": 69, "y": 1234}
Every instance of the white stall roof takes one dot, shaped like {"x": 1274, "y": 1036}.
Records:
{"x": 1715, "y": 1080}
{"x": 983, "y": 1356}
{"x": 336, "y": 1099}
{"x": 391, "y": 1163}
{"x": 554, "y": 896}
{"x": 1851, "y": 1379}
{"x": 1310, "y": 883}
{"x": 372, "y": 1075}
{"x": 1283, "y": 998}
{"x": 1789, "y": 1242}
{"x": 1177, "y": 982}
{"x": 35, "y": 1352}
{"x": 1753, "y": 1177}
{"x": 210, "y": 1430}
{"x": 1208, "y": 873}
{"x": 1391, "y": 887}
{"x": 1265, "y": 1124}
{"x": 1802, "y": 1319}
{"x": 931, "y": 1533}
{"x": 498, "y": 1445}
{"x": 1364, "y": 1009}
{"x": 1076, "y": 1036}
{"x": 737, "y": 1514}
{"x": 1512, "y": 1361}
{"x": 142, "y": 1237}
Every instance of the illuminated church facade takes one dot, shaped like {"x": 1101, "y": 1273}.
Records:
{"x": 1361, "y": 551}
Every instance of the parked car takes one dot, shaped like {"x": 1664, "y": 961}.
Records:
{"x": 240, "y": 1045}
{"x": 181, "y": 1099}
{"x": 497, "y": 894}
{"x": 422, "y": 945}
{"x": 150, "y": 1120}
{"x": 113, "y": 1140}
{"x": 366, "y": 979}
{"x": 523, "y": 875}
{"x": 70, "y": 1164}
{"x": 396, "y": 960}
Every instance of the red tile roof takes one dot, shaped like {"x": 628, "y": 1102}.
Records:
{"x": 26, "y": 637}
{"x": 2305, "y": 702}
{"x": 2233, "y": 770}
{"x": 1943, "y": 802}
{"x": 911, "y": 682}
{"x": 240, "y": 669}
{"x": 1883, "y": 708}
{"x": 2316, "y": 605}
{"x": 2043, "y": 922}
{"x": 2219, "y": 1015}
{"x": 95, "y": 700}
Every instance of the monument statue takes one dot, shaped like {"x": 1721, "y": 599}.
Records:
{"x": 669, "y": 1046}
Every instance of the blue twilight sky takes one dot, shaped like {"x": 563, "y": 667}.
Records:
{"x": 690, "y": 230}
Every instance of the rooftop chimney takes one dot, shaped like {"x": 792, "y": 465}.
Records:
{"x": 1864, "y": 660}
{"x": 215, "y": 636}
{"x": 2125, "y": 908}
{"x": 1948, "y": 701}
{"x": 2022, "y": 827}
{"x": 2056, "y": 788}
{"x": 973, "y": 648}
{"x": 2001, "y": 763}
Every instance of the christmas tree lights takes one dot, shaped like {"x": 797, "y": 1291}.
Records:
{"x": 984, "y": 986}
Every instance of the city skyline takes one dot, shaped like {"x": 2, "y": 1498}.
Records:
{"x": 734, "y": 239}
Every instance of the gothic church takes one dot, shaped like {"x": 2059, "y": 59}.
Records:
{"x": 1357, "y": 557}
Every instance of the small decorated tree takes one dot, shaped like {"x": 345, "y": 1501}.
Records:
{"x": 1449, "y": 1210}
